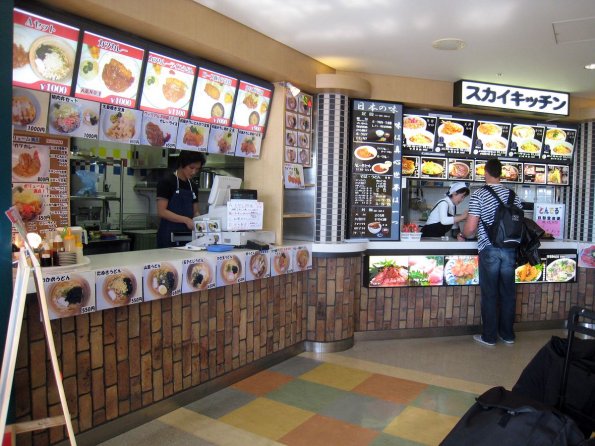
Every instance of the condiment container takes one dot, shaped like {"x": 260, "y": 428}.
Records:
{"x": 69, "y": 241}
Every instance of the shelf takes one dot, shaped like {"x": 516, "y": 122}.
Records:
{"x": 95, "y": 197}
{"x": 298, "y": 215}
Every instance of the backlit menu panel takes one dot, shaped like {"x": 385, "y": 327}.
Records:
{"x": 375, "y": 170}
{"x": 213, "y": 97}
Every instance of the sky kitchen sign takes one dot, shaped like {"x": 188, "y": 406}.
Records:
{"x": 506, "y": 97}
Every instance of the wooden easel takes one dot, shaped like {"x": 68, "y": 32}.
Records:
{"x": 12, "y": 342}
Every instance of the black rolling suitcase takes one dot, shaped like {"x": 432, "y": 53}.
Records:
{"x": 539, "y": 411}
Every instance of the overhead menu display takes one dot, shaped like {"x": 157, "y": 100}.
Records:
{"x": 213, "y": 97}
{"x": 109, "y": 71}
{"x": 167, "y": 85}
{"x": 374, "y": 204}
{"x": 43, "y": 53}
{"x": 252, "y": 107}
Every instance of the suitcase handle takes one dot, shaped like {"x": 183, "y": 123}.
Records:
{"x": 574, "y": 315}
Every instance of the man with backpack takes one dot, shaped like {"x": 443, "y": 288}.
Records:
{"x": 496, "y": 216}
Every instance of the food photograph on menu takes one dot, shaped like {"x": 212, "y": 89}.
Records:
{"x": 388, "y": 271}
{"x": 409, "y": 166}
{"x": 512, "y": 172}
{"x": 461, "y": 270}
{"x": 214, "y": 96}
{"x": 43, "y": 53}
{"x": 251, "y": 107}
{"x": 479, "y": 171}
{"x": 109, "y": 71}
{"x": 222, "y": 140}
{"x": 534, "y": 173}
{"x": 455, "y": 134}
{"x": 192, "y": 135}
{"x": 528, "y": 273}
{"x": 119, "y": 124}
{"x": 558, "y": 175}
{"x": 30, "y": 163}
{"x": 248, "y": 144}
{"x": 418, "y": 132}
{"x": 433, "y": 168}
{"x": 560, "y": 268}
{"x": 460, "y": 169}
{"x": 159, "y": 130}
{"x": 560, "y": 143}
{"x": 167, "y": 85}
{"x": 528, "y": 140}
{"x": 30, "y": 109}
{"x": 73, "y": 117}
{"x": 425, "y": 270}
{"x": 492, "y": 138}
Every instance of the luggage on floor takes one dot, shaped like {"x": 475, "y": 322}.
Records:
{"x": 501, "y": 418}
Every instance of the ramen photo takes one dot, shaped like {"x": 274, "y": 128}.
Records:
{"x": 163, "y": 280}
{"x": 199, "y": 275}
{"x": 119, "y": 288}
{"x": 66, "y": 298}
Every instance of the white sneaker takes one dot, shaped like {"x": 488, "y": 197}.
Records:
{"x": 479, "y": 339}
{"x": 506, "y": 341}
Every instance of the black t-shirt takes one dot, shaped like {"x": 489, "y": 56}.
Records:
{"x": 168, "y": 185}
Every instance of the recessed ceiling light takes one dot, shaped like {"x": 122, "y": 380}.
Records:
{"x": 449, "y": 43}
{"x": 590, "y": 66}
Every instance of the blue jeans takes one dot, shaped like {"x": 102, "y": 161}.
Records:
{"x": 498, "y": 295}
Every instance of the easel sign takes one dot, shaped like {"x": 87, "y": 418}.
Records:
{"x": 27, "y": 262}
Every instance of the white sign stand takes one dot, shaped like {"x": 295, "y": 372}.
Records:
{"x": 12, "y": 342}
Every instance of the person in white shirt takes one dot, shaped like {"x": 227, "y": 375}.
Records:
{"x": 443, "y": 215}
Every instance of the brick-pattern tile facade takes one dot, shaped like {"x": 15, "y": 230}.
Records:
{"x": 115, "y": 362}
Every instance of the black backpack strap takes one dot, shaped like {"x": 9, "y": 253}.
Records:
{"x": 491, "y": 191}
{"x": 437, "y": 203}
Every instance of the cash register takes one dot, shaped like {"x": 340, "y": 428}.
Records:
{"x": 235, "y": 217}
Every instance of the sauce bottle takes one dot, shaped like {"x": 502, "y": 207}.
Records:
{"x": 69, "y": 241}
{"x": 58, "y": 247}
{"x": 45, "y": 255}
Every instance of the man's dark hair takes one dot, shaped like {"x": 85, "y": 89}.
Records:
{"x": 188, "y": 157}
{"x": 494, "y": 167}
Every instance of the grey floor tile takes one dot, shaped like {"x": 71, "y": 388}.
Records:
{"x": 296, "y": 366}
{"x": 221, "y": 403}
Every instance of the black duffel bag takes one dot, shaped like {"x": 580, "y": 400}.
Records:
{"x": 503, "y": 418}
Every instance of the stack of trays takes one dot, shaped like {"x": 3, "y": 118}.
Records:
{"x": 67, "y": 258}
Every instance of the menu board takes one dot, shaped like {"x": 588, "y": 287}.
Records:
{"x": 73, "y": 117}
{"x": 109, "y": 71}
{"x": 251, "y": 107}
{"x": 298, "y": 128}
{"x": 30, "y": 109}
{"x": 550, "y": 218}
{"x": 43, "y": 53}
{"x": 248, "y": 144}
{"x": 192, "y": 135}
{"x": 159, "y": 130}
{"x": 460, "y": 169}
{"x": 40, "y": 180}
{"x": 512, "y": 172}
{"x": 213, "y": 97}
{"x": 120, "y": 124}
{"x": 559, "y": 143}
{"x": 433, "y": 168}
{"x": 491, "y": 138}
{"x": 410, "y": 166}
{"x": 534, "y": 173}
{"x": 558, "y": 174}
{"x": 167, "y": 85}
{"x": 527, "y": 141}
{"x": 375, "y": 170}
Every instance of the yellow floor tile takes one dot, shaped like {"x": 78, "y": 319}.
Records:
{"x": 420, "y": 425}
{"x": 344, "y": 378}
{"x": 267, "y": 418}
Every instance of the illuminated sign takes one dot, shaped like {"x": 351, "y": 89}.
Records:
{"x": 506, "y": 97}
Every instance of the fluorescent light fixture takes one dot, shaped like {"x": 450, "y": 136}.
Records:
{"x": 449, "y": 44}
{"x": 292, "y": 89}
{"x": 590, "y": 66}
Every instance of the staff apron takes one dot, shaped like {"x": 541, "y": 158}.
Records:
{"x": 436, "y": 229}
{"x": 180, "y": 203}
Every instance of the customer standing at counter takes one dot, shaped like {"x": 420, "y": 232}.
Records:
{"x": 177, "y": 202}
{"x": 443, "y": 215}
{"x": 496, "y": 265}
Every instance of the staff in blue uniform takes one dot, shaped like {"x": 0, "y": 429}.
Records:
{"x": 177, "y": 200}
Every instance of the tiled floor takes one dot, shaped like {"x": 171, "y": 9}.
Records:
{"x": 379, "y": 393}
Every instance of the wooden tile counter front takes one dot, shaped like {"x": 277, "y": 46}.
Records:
{"x": 121, "y": 361}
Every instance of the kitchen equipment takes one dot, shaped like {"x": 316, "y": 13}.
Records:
{"x": 205, "y": 179}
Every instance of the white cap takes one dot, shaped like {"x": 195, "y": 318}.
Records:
{"x": 458, "y": 187}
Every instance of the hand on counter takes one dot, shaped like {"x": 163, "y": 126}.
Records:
{"x": 189, "y": 223}
{"x": 461, "y": 217}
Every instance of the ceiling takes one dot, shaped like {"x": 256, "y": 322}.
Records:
{"x": 531, "y": 43}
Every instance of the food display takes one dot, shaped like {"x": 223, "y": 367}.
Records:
{"x": 251, "y": 107}
{"x": 73, "y": 117}
{"x": 167, "y": 85}
{"x": 587, "y": 256}
{"x": 560, "y": 270}
{"x": 248, "y": 144}
{"x": 161, "y": 280}
{"x": 365, "y": 153}
{"x": 388, "y": 271}
{"x": 199, "y": 276}
{"x": 27, "y": 201}
{"x": 258, "y": 265}
{"x": 214, "y": 95}
{"x": 192, "y": 135}
{"x": 559, "y": 143}
{"x": 159, "y": 130}
{"x": 455, "y": 136}
{"x": 461, "y": 270}
{"x": 528, "y": 273}
{"x": 109, "y": 71}
{"x": 487, "y": 131}
{"x": 480, "y": 170}
{"x": 281, "y": 262}
{"x": 120, "y": 124}
{"x": 30, "y": 109}
{"x": 230, "y": 269}
{"x": 222, "y": 140}
{"x": 511, "y": 172}
{"x": 43, "y": 53}
{"x": 30, "y": 164}
{"x": 534, "y": 173}
{"x": 68, "y": 295}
